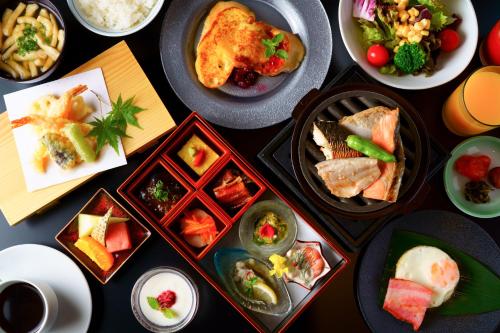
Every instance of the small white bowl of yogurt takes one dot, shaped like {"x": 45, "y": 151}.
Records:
{"x": 164, "y": 300}
{"x": 115, "y": 18}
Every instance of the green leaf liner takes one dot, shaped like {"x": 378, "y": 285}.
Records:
{"x": 478, "y": 290}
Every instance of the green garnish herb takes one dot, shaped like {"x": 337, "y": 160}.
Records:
{"x": 249, "y": 283}
{"x": 168, "y": 313}
{"x": 27, "y": 42}
{"x": 272, "y": 44}
{"x": 159, "y": 193}
{"x": 153, "y": 303}
{"x": 107, "y": 130}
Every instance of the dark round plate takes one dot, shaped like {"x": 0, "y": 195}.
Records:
{"x": 457, "y": 231}
{"x": 346, "y": 100}
{"x": 271, "y": 100}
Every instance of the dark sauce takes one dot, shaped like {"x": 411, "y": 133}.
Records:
{"x": 244, "y": 77}
{"x": 174, "y": 192}
{"x": 21, "y": 308}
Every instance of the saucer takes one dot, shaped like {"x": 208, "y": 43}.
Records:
{"x": 43, "y": 263}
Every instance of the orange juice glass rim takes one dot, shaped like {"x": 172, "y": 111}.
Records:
{"x": 463, "y": 96}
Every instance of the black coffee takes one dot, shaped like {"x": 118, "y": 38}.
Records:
{"x": 21, "y": 308}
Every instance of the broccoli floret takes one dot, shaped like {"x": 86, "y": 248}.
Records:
{"x": 410, "y": 58}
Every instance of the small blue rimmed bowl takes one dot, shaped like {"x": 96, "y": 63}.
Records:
{"x": 454, "y": 182}
{"x": 225, "y": 261}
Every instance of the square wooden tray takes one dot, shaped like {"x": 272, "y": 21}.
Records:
{"x": 123, "y": 75}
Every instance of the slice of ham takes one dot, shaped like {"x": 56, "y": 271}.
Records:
{"x": 407, "y": 301}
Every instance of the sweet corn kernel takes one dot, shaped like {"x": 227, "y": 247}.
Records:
{"x": 424, "y": 32}
{"x": 418, "y": 26}
{"x": 402, "y": 4}
{"x": 401, "y": 43}
{"x": 403, "y": 16}
{"x": 413, "y": 11}
{"x": 396, "y": 49}
{"x": 410, "y": 34}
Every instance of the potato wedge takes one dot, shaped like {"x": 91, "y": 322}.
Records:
{"x": 28, "y": 20}
{"x": 6, "y": 55}
{"x": 9, "y": 26}
{"x": 47, "y": 24}
{"x": 16, "y": 33}
{"x": 33, "y": 69}
{"x": 39, "y": 62}
{"x": 55, "y": 30}
{"x": 60, "y": 40}
{"x": 30, "y": 56}
{"x": 31, "y": 9}
{"x": 46, "y": 66}
{"x": 5, "y": 16}
{"x": 9, "y": 70}
{"x": 23, "y": 73}
{"x": 43, "y": 12}
{"x": 51, "y": 52}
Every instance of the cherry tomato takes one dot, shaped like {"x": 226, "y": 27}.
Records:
{"x": 377, "y": 55}
{"x": 450, "y": 40}
{"x": 493, "y": 45}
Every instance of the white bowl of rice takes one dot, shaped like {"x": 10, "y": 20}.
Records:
{"x": 115, "y": 18}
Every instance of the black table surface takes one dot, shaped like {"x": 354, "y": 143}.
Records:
{"x": 334, "y": 310}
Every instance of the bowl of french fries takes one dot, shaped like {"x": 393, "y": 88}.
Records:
{"x": 32, "y": 39}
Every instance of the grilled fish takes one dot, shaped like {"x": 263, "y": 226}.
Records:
{"x": 381, "y": 125}
{"x": 331, "y": 137}
{"x": 347, "y": 177}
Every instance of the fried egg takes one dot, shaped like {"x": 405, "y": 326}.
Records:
{"x": 432, "y": 268}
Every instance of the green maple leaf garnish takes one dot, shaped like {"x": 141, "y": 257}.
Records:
{"x": 108, "y": 129}
{"x": 124, "y": 112}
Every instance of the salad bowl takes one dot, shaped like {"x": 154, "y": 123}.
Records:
{"x": 449, "y": 64}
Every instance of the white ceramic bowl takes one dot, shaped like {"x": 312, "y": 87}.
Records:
{"x": 109, "y": 32}
{"x": 449, "y": 65}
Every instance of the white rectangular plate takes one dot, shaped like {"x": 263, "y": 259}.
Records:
{"x": 18, "y": 105}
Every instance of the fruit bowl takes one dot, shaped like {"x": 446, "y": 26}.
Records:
{"x": 96, "y": 207}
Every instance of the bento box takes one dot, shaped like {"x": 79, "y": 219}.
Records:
{"x": 242, "y": 235}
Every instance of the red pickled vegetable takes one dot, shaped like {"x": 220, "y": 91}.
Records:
{"x": 473, "y": 167}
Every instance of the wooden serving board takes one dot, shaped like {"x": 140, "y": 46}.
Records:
{"x": 122, "y": 74}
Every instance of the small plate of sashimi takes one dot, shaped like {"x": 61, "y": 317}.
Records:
{"x": 430, "y": 271}
{"x": 359, "y": 150}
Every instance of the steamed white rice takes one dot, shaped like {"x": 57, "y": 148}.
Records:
{"x": 115, "y": 14}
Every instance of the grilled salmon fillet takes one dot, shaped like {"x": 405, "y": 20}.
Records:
{"x": 232, "y": 38}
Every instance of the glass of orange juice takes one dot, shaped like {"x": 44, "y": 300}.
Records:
{"x": 474, "y": 107}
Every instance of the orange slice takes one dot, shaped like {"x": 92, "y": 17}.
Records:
{"x": 96, "y": 252}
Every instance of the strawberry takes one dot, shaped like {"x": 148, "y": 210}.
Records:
{"x": 166, "y": 299}
{"x": 473, "y": 167}
{"x": 199, "y": 157}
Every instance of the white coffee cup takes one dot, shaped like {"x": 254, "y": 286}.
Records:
{"x": 49, "y": 299}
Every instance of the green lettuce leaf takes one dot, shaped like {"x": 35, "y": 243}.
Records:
{"x": 440, "y": 15}
{"x": 389, "y": 69}
{"x": 372, "y": 33}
